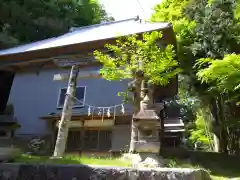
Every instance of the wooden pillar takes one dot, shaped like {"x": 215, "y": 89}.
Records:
{"x": 66, "y": 114}
{"x": 82, "y": 136}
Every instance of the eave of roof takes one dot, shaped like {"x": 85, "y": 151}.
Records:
{"x": 79, "y": 117}
{"x": 81, "y": 40}
{"x": 168, "y": 123}
{"x": 57, "y": 41}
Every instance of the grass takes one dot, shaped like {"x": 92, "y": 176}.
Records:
{"x": 216, "y": 171}
{"x": 220, "y": 167}
{"x": 28, "y": 159}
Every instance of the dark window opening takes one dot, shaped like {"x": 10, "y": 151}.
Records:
{"x": 171, "y": 142}
{"x": 74, "y": 141}
{"x": 80, "y": 95}
{"x": 6, "y": 80}
{"x": 3, "y": 133}
{"x": 93, "y": 140}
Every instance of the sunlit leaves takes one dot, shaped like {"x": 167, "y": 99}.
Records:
{"x": 201, "y": 132}
{"x": 131, "y": 53}
{"x": 169, "y": 10}
{"x": 224, "y": 74}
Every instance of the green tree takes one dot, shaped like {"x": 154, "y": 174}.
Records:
{"x": 223, "y": 77}
{"x": 173, "y": 11}
{"x": 28, "y": 20}
{"x": 217, "y": 34}
{"x": 141, "y": 60}
{"x": 205, "y": 29}
{"x": 200, "y": 133}
{"x": 222, "y": 74}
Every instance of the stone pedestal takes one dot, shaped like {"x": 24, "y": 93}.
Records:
{"x": 147, "y": 147}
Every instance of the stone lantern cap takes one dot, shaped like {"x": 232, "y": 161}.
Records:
{"x": 148, "y": 114}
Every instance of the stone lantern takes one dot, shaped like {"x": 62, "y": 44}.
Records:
{"x": 148, "y": 123}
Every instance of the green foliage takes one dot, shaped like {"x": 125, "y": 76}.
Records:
{"x": 237, "y": 11}
{"x": 223, "y": 77}
{"x": 203, "y": 28}
{"x": 208, "y": 30}
{"x": 216, "y": 34}
{"x": 169, "y": 10}
{"x": 30, "y": 20}
{"x": 216, "y": 29}
{"x": 131, "y": 54}
{"x": 201, "y": 132}
{"x": 173, "y": 11}
{"x": 222, "y": 74}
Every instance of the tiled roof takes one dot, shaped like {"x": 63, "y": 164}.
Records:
{"x": 90, "y": 33}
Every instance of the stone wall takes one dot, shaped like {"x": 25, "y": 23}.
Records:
{"x": 83, "y": 172}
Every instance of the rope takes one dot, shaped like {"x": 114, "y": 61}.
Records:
{"x": 95, "y": 107}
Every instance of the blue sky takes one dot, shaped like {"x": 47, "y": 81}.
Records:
{"x": 123, "y": 9}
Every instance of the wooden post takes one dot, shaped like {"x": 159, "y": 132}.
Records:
{"x": 82, "y": 137}
{"x": 66, "y": 114}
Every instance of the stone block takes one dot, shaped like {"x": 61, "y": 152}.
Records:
{"x": 8, "y": 153}
{"x": 84, "y": 172}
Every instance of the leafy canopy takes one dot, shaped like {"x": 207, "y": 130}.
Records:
{"x": 204, "y": 29}
{"x": 33, "y": 20}
{"x": 217, "y": 30}
{"x": 217, "y": 39}
{"x": 131, "y": 54}
{"x": 224, "y": 73}
{"x": 169, "y": 10}
{"x": 173, "y": 11}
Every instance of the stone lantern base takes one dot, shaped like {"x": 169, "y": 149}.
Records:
{"x": 144, "y": 160}
{"x": 146, "y": 155}
{"x": 147, "y": 147}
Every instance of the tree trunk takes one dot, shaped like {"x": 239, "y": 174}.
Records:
{"x": 223, "y": 134}
{"x": 216, "y": 127}
{"x": 216, "y": 143}
{"x": 66, "y": 114}
{"x": 219, "y": 129}
{"x": 214, "y": 123}
{"x": 223, "y": 143}
{"x": 136, "y": 108}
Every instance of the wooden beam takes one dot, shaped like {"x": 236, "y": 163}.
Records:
{"x": 81, "y": 75}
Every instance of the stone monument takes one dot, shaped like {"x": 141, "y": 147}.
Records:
{"x": 148, "y": 123}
